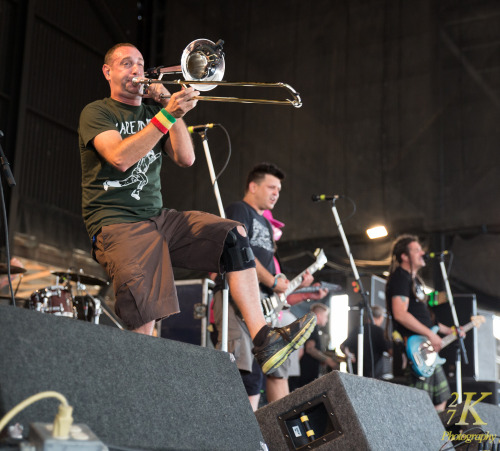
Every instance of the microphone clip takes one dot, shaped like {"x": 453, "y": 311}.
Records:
{"x": 439, "y": 255}
{"x": 324, "y": 197}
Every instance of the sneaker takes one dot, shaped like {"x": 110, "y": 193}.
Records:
{"x": 282, "y": 341}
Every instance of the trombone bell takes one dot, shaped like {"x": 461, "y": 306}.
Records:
{"x": 202, "y": 60}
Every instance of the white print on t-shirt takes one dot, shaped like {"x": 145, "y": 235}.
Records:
{"x": 131, "y": 127}
{"x": 261, "y": 236}
{"x": 138, "y": 175}
{"x": 419, "y": 293}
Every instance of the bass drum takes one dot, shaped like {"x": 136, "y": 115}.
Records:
{"x": 55, "y": 300}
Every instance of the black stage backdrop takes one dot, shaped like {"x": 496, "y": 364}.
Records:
{"x": 401, "y": 106}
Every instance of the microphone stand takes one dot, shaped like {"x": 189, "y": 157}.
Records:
{"x": 225, "y": 286}
{"x": 362, "y": 305}
{"x": 6, "y": 167}
{"x": 461, "y": 348}
{"x": 7, "y": 173}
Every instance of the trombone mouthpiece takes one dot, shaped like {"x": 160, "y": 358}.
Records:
{"x": 138, "y": 80}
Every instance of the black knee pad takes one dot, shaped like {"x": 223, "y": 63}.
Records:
{"x": 237, "y": 254}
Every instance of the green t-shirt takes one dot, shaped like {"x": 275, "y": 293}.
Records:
{"x": 108, "y": 195}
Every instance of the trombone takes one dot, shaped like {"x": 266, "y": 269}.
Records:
{"x": 202, "y": 65}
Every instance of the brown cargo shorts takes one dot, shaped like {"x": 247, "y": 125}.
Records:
{"x": 139, "y": 258}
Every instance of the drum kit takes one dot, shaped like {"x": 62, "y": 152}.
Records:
{"x": 69, "y": 297}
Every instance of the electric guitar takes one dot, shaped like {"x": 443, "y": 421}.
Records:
{"x": 422, "y": 354}
{"x": 273, "y": 304}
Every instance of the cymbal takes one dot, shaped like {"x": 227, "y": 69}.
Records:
{"x": 13, "y": 269}
{"x": 86, "y": 279}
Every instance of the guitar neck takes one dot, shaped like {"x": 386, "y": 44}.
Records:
{"x": 296, "y": 281}
{"x": 452, "y": 337}
{"x": 315, "y": 288}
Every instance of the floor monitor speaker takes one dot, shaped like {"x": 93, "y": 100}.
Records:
{"x": 131, "y": 390}
{"x": 341, "y": 411}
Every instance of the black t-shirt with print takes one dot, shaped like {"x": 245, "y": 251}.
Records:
{"x": 400, "y": 283}
{"x": 110, "y": 196}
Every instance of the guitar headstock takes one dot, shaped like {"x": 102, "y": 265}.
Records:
{"x": 477, "y": 320}
{"x": 320, "y": 257}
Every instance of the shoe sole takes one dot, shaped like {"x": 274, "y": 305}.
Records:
{"x": 279, "y": 358}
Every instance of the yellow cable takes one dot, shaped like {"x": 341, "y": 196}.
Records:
{"x": 32, "y": 399}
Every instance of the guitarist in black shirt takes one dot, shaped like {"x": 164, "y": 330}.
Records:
{"x": 262, "y": 190}
{"x": 407, "y": 304}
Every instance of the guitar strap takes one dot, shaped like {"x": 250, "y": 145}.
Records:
{"x": 277, "y": 257}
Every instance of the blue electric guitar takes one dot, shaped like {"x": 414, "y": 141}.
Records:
{"x": 422, "y": 354}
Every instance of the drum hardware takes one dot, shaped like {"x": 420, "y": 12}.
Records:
{"x": 59, "y": 300}
{"x": 114, "y": 320}
{"x": 79, "y": 277}
{"x": 88, "y": 308}
{"x": 98, "y": 310}
{"x": 56, "y": 300}
{"x": 202, "y": 65}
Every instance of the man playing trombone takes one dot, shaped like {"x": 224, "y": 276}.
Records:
{"x": 136, "y": 240}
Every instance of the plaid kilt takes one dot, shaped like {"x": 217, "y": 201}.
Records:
{"x": 436, "y": 386}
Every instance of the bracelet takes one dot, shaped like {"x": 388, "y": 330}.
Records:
{"x": 275, "y": 282}
{"x": 163, "y": 121}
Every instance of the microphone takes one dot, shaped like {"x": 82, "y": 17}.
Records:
{"x": 323, "y": 197}
{"x": 198, "y": 128}
{"x": 436, "y": 254}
